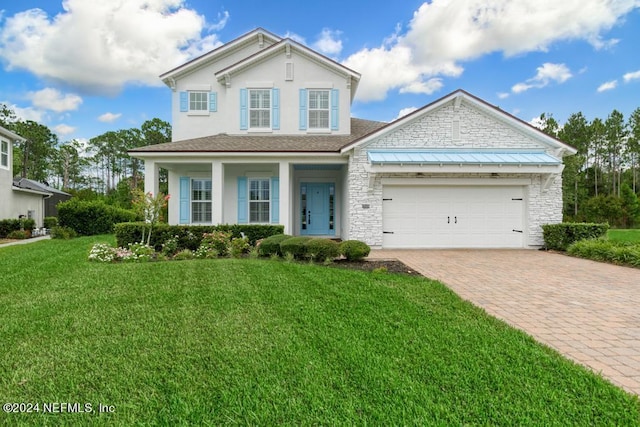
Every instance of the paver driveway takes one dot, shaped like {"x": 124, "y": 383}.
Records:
{"x": 586, "y": 310}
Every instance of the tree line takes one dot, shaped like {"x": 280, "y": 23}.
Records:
{"x": 99, "y": 168}
{"x": 600, "y": 182}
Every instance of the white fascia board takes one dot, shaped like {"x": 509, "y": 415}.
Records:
{"x": 10, "y": 135}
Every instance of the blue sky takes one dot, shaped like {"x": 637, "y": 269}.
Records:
{"x": 84, "y": 67}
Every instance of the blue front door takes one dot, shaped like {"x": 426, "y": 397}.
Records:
{"x": 317, "y": 201}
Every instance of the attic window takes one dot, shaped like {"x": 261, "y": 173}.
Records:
{"x": 288, "y": 71}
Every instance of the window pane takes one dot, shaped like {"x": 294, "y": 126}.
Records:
{"x": 198, "y": 101}
{"x": 4, "y": 159}
{"x": 319, "y": 109}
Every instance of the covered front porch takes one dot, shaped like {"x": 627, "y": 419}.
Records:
{"x": 306, "y": 196}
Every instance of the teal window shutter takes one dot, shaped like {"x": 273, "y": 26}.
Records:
{"x": 335, "y": 116}
{"x": 184, "y": 102}
{"x": 213, "y": 101}
{"x": 243, "y": 207}
{"x": 275, "y": 200}
{"x": 244, "y": 124}
{"x": 184, "y": 200}
{"x": 303, "y": 109}
{"x": 275, "y": 108}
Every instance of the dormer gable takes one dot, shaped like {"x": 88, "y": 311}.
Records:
{"x": 288, "y": 47}
{"x": 256, "y": 40}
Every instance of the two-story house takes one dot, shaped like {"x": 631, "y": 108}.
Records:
{"x": 16, "y": 198}
{"x": 263, "y": 133}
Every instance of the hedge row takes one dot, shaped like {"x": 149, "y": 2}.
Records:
{"x": 9, "y": 225}
{"x": 561, "y": 236}
{"x": 89, "y": 217}
{"x": 189, "y": 236}
{"x": 623, "y": 253}
{"x": 315, "y": 248}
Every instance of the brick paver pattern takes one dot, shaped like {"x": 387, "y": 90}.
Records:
{"x": 588, "y": 311}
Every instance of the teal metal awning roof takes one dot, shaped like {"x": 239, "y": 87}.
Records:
{"x": 460, "y": 157}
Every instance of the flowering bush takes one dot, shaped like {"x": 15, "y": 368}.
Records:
{"x": 206, "y": 250}
{"x": 102, "y": 252}
{"x": 136, "y": 252}
{"x": 218, "y": 240}
{"x": 170, "y": 246}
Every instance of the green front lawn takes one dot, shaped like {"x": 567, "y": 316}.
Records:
{"x": 267, "y": 342}
{"x": 624, "y": 235}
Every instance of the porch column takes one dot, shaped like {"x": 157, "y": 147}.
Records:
{"x": 285, "y": 196}
{"x": 151, "y": 174}
{"x": 217, "y": 196}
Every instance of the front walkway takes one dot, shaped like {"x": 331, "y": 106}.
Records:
{"x": 588, "y": 311}
{"x": 24, "y": 241}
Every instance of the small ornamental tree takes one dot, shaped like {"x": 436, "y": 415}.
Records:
{"x": 150, "y": 208}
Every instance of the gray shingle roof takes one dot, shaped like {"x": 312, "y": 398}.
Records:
{"x": 267, "y": 143}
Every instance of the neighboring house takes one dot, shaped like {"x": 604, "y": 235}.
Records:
{"x": 16, "y": 200}
{"x": 50, "y": 203}
{"x": 263, "y": 133}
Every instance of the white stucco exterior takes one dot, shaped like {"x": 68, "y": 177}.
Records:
{"x": 213, "y": 146}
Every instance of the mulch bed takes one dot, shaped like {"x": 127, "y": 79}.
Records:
{"x": 391, "y": 266}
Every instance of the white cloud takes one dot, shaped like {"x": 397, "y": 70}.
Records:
{"x": 27, "y": 113}
{"x": 546, "y": 74}
{"x": 63, "y": 129}
{"x": 631, "y": 76}
{"x": 405, "y": 111}
{"x": 537, "y": 122}
{"x": 295, "y": 37}
{"x": 443, "y": 34}
{"x": 109, "y": 117}
{"x": 329, "y": 43}
{"x": 53, "y": 100}
{"x": 503, "y": 95}
{"x": 608, "y": 86}
{"x": 98, "y": 46}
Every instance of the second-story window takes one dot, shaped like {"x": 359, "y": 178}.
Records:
{"x": 4, "y": 154}
{"x": 318, "y": 109}
{"x": 198, "y": 101}
{"x": 259, "y": 108}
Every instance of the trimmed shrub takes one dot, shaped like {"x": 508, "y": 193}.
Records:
{"x": 190, "y": 236}
{"x": 64, "y": 233}
{"x": 19, "y": 234}
{"x": 239, "y": 247}
{"x": 623, "y": 253}
{"x": 50, "y": 222}
{"x": 271, "y": 245}
{"x": 92, "y": 217}
{"x": 319, "y": 249}
{"x": 296, "y": 246}
{"x": 183, "y": 255}
{"x": 9, "y": 225}
{"x": 560, "y": 236}
{"x": 354, "y": 250}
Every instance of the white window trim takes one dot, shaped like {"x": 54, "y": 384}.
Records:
{"x": 249, "y": 201}
{"x": 8, "y": 153}
{"x": 328, "y": 109}
{"x": 204, "y": 112}
{"x": 249, "y": 109}
{"x": 191, "y": 201}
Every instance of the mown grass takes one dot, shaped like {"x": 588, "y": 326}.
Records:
{"x": 266, "y": 342}
{"x": 624, "y": 235}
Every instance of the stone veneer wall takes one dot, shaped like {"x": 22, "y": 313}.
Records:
{"x": 477, "y": 130}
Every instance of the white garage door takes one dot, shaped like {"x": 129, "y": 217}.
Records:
{"x": 452, "y": 217}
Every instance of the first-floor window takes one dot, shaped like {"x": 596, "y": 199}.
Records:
{"x": 4, "y": 154}
{"x": 201, "y": 201}
{"x": 259, "y": 200}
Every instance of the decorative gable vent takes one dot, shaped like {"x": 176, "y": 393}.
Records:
{"x": 288, "y": 71}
